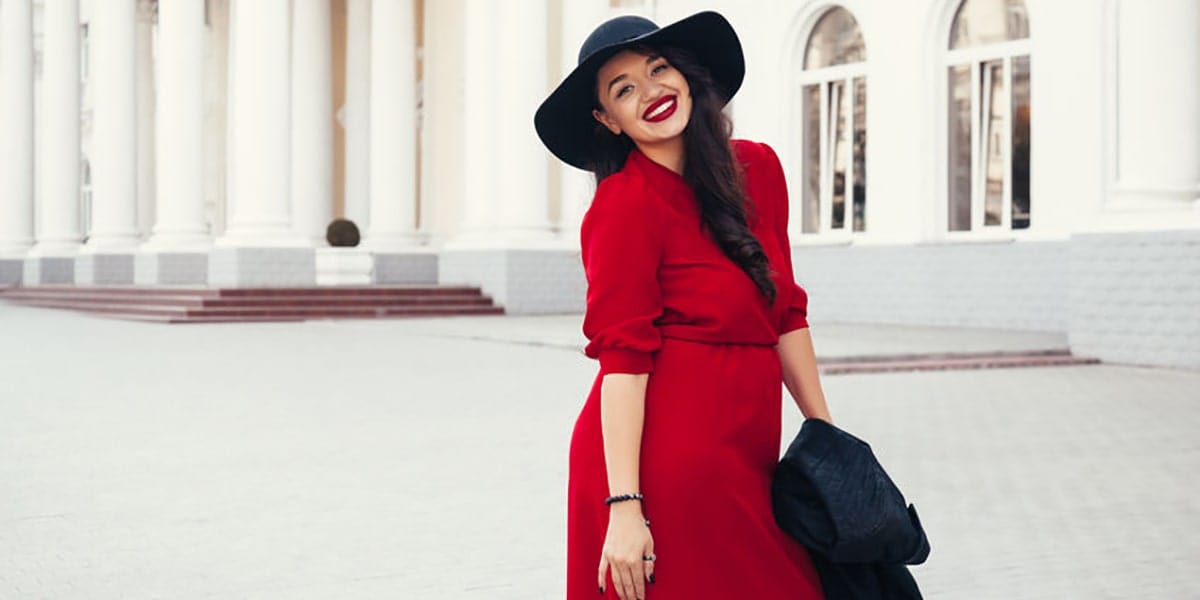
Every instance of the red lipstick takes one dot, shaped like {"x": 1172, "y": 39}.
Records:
{"x": 668, "y": 101}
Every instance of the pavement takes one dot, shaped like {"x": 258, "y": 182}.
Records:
{"x": 427, "y": 458}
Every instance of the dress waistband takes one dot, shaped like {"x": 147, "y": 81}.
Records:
{"x": 719, "y": 342}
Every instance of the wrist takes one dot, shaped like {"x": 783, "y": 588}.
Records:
{"x": 625, "y": 509}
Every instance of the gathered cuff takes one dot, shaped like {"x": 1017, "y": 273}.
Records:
{"x": 794, "y": 320}
{"x": 621, "y": 360}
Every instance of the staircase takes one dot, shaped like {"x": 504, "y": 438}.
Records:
{"x": 166, "y": 304}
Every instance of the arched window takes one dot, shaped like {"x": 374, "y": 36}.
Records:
{"x": 833, "y": 102}
{"x": 987, "y": 62}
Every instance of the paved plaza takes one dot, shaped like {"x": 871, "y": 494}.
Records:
{"x": 428, "y": 459}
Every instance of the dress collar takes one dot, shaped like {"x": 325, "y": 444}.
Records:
{"x": 654, "y": 171}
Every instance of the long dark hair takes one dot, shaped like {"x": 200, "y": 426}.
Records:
{"x": 710, "y": 168}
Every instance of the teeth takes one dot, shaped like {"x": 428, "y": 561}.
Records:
{"x": 661, "y": 109}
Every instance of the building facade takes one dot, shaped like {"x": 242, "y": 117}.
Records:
{"x": 1031, "y": 164}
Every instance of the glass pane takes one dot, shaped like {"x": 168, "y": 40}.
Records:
{"x": 839, "y": 107}
{"x": 959, "y": 113}
{"x": 836, "y": 40}
{"x": 994, "y": 129}
{"x": 860, "y": 154}
{"x": 1020, "y": 143}
{"x": 811, "y": 198}
{"x": 981, "y": 22}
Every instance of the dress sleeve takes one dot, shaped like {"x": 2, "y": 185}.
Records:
{"x": 796, "y": 316}
{"x": 621, "y": 240}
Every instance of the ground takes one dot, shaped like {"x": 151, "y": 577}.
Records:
{"x": 427, "y": 458}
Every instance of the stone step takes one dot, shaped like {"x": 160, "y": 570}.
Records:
{"x": 133, "y": 290}
{"x": 179, "y": 304}
{"x": 851, "y": 366}
{"x": 175, "y": 313}
{"x": 200, "y": 301}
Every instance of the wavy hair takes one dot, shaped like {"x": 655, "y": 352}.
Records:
{"x": 710, "y": 168}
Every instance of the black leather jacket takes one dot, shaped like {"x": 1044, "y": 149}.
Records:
{"x": 831, "y": 494}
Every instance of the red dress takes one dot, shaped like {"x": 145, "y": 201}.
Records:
{"x": 663, "y": 299}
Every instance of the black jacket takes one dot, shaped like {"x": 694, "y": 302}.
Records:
{"x": 831, "y": 494}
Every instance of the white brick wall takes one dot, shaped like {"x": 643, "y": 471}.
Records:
{"x": 523, "y": 281}
{"x": 1135, "y": 297}
{"x": 11, "y": 270}
{"x": 102, "y": 269}
{"x": 245, "y": 267}
{"x": 1005, "y": 285}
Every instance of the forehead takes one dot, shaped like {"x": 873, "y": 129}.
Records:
{"x": 625, "y": 61}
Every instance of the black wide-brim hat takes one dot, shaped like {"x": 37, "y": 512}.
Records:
{"x": 564, "y": 121}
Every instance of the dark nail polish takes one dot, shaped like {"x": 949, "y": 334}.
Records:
{"x": 652, "y": 578}
{"x": 601, "y": 591}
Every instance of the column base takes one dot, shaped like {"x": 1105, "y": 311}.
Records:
{"x": 344, "y": 266}
{"x": 104, "y": 268}
{"x": 12, "y": 271}
{"x": 522, "y": 280}
{"x": 170, "y": 268}
{"x": 234, "y": 266}
{"x": 42, "y": 270}
{"x": 413, "y": 266}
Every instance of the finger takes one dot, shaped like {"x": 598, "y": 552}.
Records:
{"x": 650, "y": 563}
{"x": 625, "y": 585}
{"x": 603, "y": 571}
{"x": 639, "y": 581}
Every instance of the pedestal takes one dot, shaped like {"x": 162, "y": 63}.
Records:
{"x": 238, "y": 266}
{"x": 408, "y": 266}
{"x": 344, "y": 266}
{"x": 171, "y": 268}
{"x": 104, "y": 268}
{"x": 541, "y": 280}
{"x": 12, "y": 271}
{"x": 39, "y": 270}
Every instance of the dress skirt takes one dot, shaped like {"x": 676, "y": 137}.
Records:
{"x": 710, "y": 443}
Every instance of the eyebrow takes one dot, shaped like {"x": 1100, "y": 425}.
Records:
{"x": 649, "y": 59}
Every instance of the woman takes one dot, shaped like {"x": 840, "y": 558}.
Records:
{"x": 694, "y": 316}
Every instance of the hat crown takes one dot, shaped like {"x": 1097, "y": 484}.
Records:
{"x": 614, "y": 31}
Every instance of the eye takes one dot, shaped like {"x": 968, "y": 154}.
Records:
{"x": 659, "y": 68}
{"x": 624, "y": 88}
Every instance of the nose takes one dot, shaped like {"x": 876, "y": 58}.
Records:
{"x": 651, "y": 91}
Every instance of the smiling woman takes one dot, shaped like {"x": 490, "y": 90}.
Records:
{"x": 690, "y": 294}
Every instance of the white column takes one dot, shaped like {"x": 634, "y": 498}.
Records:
{"x": 179, "y": 149}
{"x": 16, "y": 127}
{"x": 480, "y": 81}
{"x": 579, "y": 18}
{"x": 114, "y": 138}
{"x": 356, "y": 116}
{"x": 59, "y": 231}
{"x": 260, "y": 148}
{"x": 393, "y": 126}
{"x": 312, "y": 119}
{"x": 522, "y": 165}
{"x": 1158, "y": 105}
{"x": 147, "y": 11}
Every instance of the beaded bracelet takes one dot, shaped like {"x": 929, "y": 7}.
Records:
{"x": 623, "y": 497}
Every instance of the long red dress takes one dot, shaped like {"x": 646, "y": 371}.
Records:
{"x": 663, "y": 299}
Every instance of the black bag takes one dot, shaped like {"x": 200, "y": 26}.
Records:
{"x": 831, "y": 494}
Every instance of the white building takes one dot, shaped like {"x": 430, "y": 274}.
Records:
{"x": 1031, "y": 164}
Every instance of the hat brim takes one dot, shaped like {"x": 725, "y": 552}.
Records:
{"x": 564, "y": 120}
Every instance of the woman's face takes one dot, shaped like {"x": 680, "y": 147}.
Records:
{"x": 644, "y": 97}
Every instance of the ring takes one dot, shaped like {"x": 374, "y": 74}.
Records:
{"x": 648, "y": 557}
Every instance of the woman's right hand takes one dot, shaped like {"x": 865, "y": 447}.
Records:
{"x": 628, "y": 540}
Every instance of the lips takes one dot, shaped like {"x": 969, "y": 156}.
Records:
{"x": 662, "y": 109}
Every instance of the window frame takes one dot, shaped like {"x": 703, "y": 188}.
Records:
{"x": 824, "y": 77}
{"x": 976, "y": 57}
